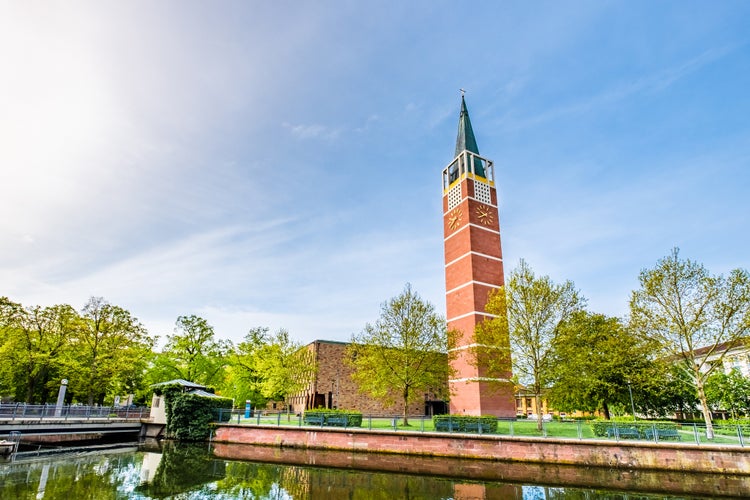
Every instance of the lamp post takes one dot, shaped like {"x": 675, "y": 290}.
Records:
{"x": 632, "y": 405}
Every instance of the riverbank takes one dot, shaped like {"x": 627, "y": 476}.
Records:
{"x": 638, "y": 455}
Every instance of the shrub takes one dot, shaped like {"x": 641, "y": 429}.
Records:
{"x": 353, "y": 418}
{"x": 599, "y": 427}
{"x": 189, "y": 417}
{"x": 465, "y": 423}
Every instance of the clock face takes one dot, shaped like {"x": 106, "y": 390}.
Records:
{"x": 485, "y": 215}
{"x": 454, "y": 219}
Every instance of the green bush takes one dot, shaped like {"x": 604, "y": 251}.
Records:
{"x": 599, "y": 427}
{"x": 729, "y": 427}
{"x": 353, "y": 418}
{"x": 465, "y": 423}
{"x": 189, "y": 417}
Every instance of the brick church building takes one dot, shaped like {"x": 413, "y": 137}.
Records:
{"x": 332, "y": 387}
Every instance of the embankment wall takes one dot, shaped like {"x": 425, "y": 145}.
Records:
{"x": 623, "y": 455}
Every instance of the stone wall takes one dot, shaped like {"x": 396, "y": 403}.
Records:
{"x": 650, "y": 456}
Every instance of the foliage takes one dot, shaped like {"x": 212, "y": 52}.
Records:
{"x": 34, "y": 343}
{"x": 668, "y": 391}
{"x": 528, "y": 313}
{"x": 181, "y": 469}
{"x": 269, "y": 367}
{"x": 729, "y": 427}
{"x": 192, "y": 353}
{"x": 729, "y": 391}
{"x": 596, "y": 362}
{"x": 189, "y": 416}
{"x": 600, "y": 427}
{"x": 111, "y": 350}
{"x": 685, "y": 308}
{"x": 353, "y": 418}
{"x": 403, "y": 354}
{"x": 465, "y": 423}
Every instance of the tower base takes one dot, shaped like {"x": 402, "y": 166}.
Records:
{"x": 483, "y": 398}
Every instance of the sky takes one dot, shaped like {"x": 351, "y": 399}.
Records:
{"x": 279, "y": 163}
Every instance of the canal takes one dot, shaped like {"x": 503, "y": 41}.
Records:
{"x": 158, "y": 471}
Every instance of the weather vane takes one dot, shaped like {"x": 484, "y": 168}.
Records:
{"x": 462, "y": 92}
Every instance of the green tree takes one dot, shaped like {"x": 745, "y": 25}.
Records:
{"x": 110, "y": 354}
{"x": 268, "y": 367}
{"x": 597, "y": 362}
{"x": 527, "y": 314}
{"x": 404, "y": 353}
{"x": 244, "y": 375}
{"x": 193, "y": 353}
{"x": 34, "y": 340}
{"x": 683, "y": 307}
{"x": 286, "y": 367}
{"x": 729, "y": 391}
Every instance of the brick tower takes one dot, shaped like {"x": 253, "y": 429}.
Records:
{"x": 473, "y": 268}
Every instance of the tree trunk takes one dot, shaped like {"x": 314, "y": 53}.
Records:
{"x": 704, "y": 407}
{"x": 605, "y": 408}
{"x": 406, "y": 406}
{"x": 539, "y": 413}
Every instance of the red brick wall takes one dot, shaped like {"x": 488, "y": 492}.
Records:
{"x": 469, "y": 279}
{"x": 334, "y": 380}
{"x": 680, "y": 456}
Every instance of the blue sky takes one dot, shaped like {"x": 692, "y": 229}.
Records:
{"x": 278, "y": 163}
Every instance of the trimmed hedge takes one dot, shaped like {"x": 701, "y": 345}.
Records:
{"x": 465, "y": 423}
{"x": 600, "y": 427}
{"x": 729, "y": 427}
{"x": 333, "y": 418}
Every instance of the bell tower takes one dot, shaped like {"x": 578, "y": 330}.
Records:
{"x": 473, "y": 268}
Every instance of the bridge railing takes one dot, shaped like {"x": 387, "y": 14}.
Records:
{"x": 23, "y": 411}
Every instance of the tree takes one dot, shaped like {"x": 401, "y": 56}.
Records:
{"x": 683, "y": 307}
{"x": 34, "y": 340}
{"x": 527, "y": 314}
{"x": 193, "y": 353}
{"x": 244, "y": 374}
{"x": 597, "y": 362}
{"x": 729, "y": 391}
{"x": 269, "y": 367}
{"x": 403, "y": 354}
{"x": 110, "y": 352}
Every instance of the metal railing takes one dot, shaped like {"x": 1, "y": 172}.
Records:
{"x": 615, "y": 431}
{"x": 23, "y": 411}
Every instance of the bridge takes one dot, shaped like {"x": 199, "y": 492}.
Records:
{"x": 51, "y": 423}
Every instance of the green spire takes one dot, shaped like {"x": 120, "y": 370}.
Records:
{"x": 466, "y": 139}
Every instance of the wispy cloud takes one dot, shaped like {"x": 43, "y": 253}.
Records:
{"x": 655, "y": 82}
{"x": 313, "y": 131}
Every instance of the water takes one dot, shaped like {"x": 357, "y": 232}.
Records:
{"x": 197, "y": 472}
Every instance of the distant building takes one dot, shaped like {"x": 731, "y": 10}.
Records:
{"x": 332, "y": 387}
{"x": 736, "y": 356}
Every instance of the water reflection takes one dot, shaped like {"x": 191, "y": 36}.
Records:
{"x": 195, "y": 472}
